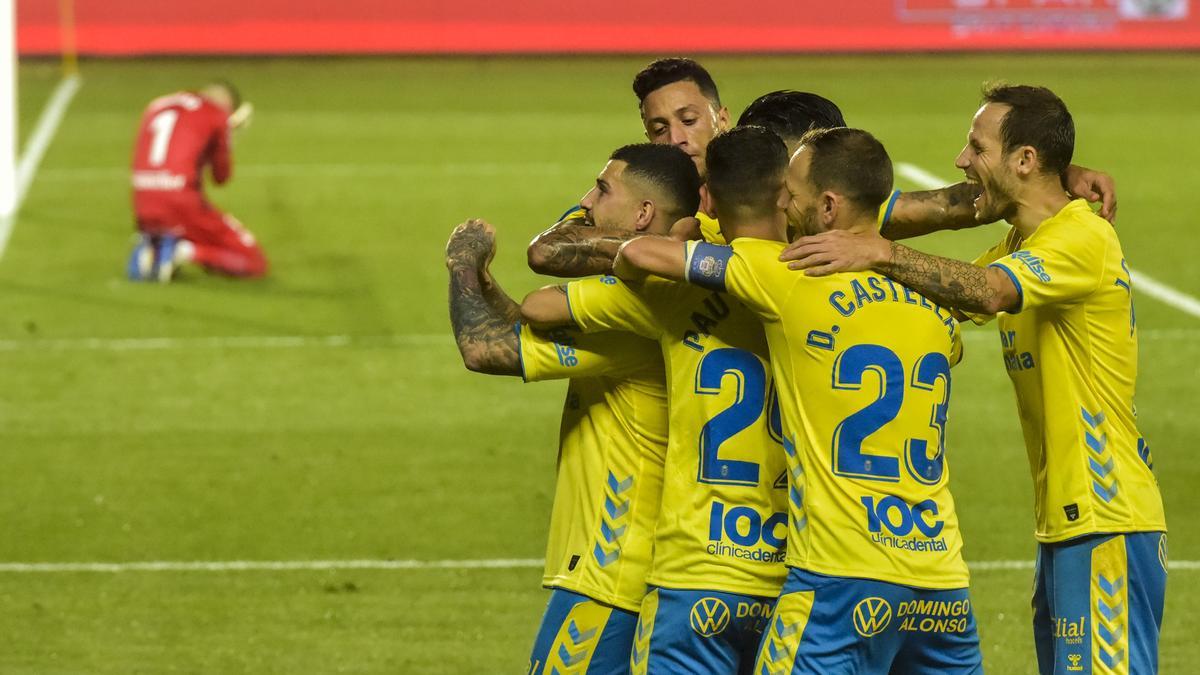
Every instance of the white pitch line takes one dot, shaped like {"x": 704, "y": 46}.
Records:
{"x": 44, "y": 132}
{"x": 268, "y": 565}
{"x": 228, "y": 342}
{"x": 388, "y": 170}
{"x": 1160, "y": 291}
{"x": 1142, "y": 282}
{"x": 386, "y": 565}
{"x": 39, "y": 142}
{"x": 921, "y": 177}
{"x": 340, "y": 341}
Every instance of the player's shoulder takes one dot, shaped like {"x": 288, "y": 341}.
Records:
{"x": 663, "y": 294}
{"x": 758, "y": 248}
{"x": 761, "y": 256}
{"x": 187, "y": 100}
{"x": 609, "y": 290}
{"x": 1076, "y": 219}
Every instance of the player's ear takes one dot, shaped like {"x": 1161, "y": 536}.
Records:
{"x": 1027, "y": 160}
{"x": 723, "y": 119}
{"x": 707, "y": 206}
{"x": 645, "y": 215}
{"x": 830, "y": 204}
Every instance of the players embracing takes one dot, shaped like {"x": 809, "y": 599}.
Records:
{"x": 846, "y": 394}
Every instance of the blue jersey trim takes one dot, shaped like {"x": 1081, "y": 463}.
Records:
{"x": 520, "y": 352}
{"x": 706, "y": 265}
{"x": 570, "y": 309}
{"x": 568, "y": 212}
{"x": 1016, "y": 282}
{"x": 891, "y": 204}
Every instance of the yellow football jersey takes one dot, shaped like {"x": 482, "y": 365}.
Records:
{"x": 723, "y": 524}
{"x": 862, "y": 366}
{"x": 1071, "y": 351}
{"x": 710, "y": 228}
{"x": 610, "y": 463}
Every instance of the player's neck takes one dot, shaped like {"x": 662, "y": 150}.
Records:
{"x": 857, "y": 225}
{"x": 771, "y": 229}
{"x": 1037, "y": 205}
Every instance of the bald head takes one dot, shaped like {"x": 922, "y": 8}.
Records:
{"x": 223, "y": 93}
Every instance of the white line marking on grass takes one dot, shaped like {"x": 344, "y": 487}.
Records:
{"x": 1162, "y": 292}
{"x": 230, "y": 342}
{"x": 1142, "y": 282}
{"x": 286, "y": 170}
{"x": 366, "y": 341}
{"x": 269, "y": 565}
{"x": 39, "y": 142}
{"x": 320, "y": 565}
{"x": 921, "y": 177}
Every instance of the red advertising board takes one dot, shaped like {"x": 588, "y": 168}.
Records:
{"x": 131, "y": 27}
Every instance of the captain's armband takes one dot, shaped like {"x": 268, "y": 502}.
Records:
{"x": 706, "y": 264}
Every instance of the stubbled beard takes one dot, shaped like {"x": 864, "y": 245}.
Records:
{"x": 807, "y": 223}
{"x": 999, "y": 204}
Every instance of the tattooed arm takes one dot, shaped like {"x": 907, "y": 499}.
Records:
{"x": 953, "y": 207}
{"x": 572, "y": 248}
{"x": 953, "y": 284}
{"x": 481, "y": 314}
{"x": 500, "y": 302}
{"x": 918, "y": 213}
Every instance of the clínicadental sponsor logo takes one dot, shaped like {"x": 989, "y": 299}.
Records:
{"x": 741, "y": 532}
{"x": 709, "y": 616}
{"x": 895, "y": 523}
{"x": 934, "y": 616}
{"x": 872, "y": 616}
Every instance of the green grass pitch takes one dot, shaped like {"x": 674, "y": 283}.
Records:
{"x": 383, "y": 446}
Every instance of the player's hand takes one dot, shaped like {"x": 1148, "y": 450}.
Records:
{"x": 1094, "y": 186}
{"x": 686, "y": 229}
{"x": 241, "y": 118}
{"x": 836, "y": 251}
{"x": 472, "y": 243}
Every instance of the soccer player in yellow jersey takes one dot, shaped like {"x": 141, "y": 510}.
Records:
{"x": 877, "y": 582}
{"x": 680, "y": 106}
{"x": 719, "y": 542}
{"x": 672, "y": 642}
{"x": 1061, "y": 285}
{"x": 613, "y": 434}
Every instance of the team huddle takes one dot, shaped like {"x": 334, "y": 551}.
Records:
{"x": 753, "y": 474}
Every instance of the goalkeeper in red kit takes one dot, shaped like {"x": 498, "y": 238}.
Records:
{"x": 179, "y": 136}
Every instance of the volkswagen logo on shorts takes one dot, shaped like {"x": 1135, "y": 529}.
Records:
{"x": 709, "y": 616}
{"x": 872, "y": 616}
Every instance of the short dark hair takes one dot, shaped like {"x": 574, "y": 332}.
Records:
{"x": 746, "y": 166}
{"x": 662, "y": 72}
{"x": 234, "y": 94}
{"x": 1037, "y": 118}
{"x": 791, "y": 114}
{"x": 850, "y": 162}
{"x": 668, "y": 168}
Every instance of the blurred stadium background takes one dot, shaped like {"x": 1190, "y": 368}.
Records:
{"x": 297, "y": 474}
